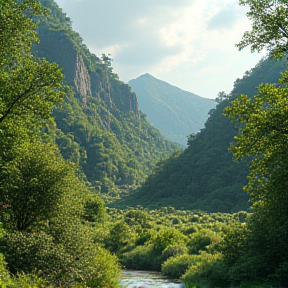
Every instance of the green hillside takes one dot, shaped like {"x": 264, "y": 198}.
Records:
{"x": 176, "y": 113}
{"x": 204, "y": 176}
{"x": 99, "y": 126}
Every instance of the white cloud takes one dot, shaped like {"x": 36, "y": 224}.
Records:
{"x": 188, "y": 43}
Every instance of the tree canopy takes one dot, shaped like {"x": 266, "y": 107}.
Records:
{"x": 269, "y": 26}
{"x": 27, "y": 84}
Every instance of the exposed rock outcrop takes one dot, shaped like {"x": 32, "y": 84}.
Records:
{"x": 57, "y": 47}
{"x": 82, "y": 79}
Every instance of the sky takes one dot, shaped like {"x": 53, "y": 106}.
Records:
{"x": 187, "y": 43}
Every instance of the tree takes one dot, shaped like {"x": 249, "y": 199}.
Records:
{"x": 32, "y": 185}
{"x": 27, "y": 84}
{"x": 263, "y": 137}
{"x": 269, "y": 27}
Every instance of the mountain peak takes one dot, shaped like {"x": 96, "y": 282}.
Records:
{"x": 175, "y": 112}
{"x": 146, "y": 75}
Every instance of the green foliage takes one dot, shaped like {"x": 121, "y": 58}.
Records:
{"x": 5, "y": 278}
{"x": 140, "y": 258}
{"x": 198, "y": 242}
{"x": 166, "y": 238}
{"x": 207, "y": 268}
{"x": 94, "y": 209}
{"x": 118, "y": 237}
{"x": 30, "y": 252}
{"x": 161, "y": 244}
{"x": 43, "y": 204}
{"x": 27, "y": 281}
{"x": 174, "y": 250}
{"x": 28, "y": 86}
{"x": 269, "y": 27}
{"x": 17, "y": 30}
{"x": 137, "y": 220}
{"x": 262, "y": 124}
{"x": 176, "y": 266}
{"x": 32, "y": 184}
{"x": 234, "y": 241}
{"x": 107, "y": 272}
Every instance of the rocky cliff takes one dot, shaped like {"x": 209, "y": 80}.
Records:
{"x": 57, "y": 47}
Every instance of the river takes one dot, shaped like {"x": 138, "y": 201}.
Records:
{"x": 145, "y": 279}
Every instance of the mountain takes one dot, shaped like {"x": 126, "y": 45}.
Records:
{"x": 99, "y": 126}
{"x": 204, "y": 176}
{"x": 176, "y": 113}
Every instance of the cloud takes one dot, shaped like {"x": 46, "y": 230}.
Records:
{"x": 184, "y": 42}
{"x": 109, "y": 21}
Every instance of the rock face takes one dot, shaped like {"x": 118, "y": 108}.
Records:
{"x": 82, "y": 79}
{"x": 57, "y": 47}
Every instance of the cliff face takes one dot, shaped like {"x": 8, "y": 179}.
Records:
{"x": 82, "y": 80}
{"x": 57, "y": 47}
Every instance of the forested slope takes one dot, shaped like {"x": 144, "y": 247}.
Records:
{"x": 99, "y": 126}
{"x": 175, "y": 112}
{"x": 204, "y": 176}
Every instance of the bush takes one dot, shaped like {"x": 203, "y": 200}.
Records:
{"x": 4, "y": 274}
{"x": 30, "y": 252}
{"x": 174, "y": 250}
{"x": 165, "y": 238}
{"x": 104, "y": 270}
{"x": 209, "y": 267}
{"x": 143, "y": 238}
{"x": 28, "y": 281}
{"x": 140, "y": 258}
{"x": 176, "y": 266}
{"x": 198, "y": 242}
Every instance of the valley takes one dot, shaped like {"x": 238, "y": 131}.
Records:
{"x": 89, "y": 186}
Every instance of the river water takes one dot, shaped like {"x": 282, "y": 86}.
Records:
{"x": 144, "y": 279}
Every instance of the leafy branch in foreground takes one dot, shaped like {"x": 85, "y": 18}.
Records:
{"x": 269, "y": 26}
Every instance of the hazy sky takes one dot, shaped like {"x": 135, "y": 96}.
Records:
{"x": 187, "y": 43}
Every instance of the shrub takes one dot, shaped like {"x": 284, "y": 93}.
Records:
{"x": 140, "y": 258}
{"x": 176, "y": 266}
{"x": 104, "y": 270}
{"x": 30, "y": 252}
{"x": 4, "y": 274}
{"x": 165, "y": 238}
{"x": 209, "y": 267}
{"x": 198, "y": 242}
{"x": 143, "y": 238}
{"x": 174, "y": 250}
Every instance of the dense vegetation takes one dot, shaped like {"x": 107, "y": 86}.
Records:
{"x": 175, "y": 242}
{"x": 54, "y": 230}
{"x": 47, "y": 236}
{"x": 204, "y": 176}
{"x": 176, "y": 113}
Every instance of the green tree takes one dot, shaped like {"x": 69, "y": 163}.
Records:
{"x": 94, "y": 209}
{"x": 27, "y": 84}
{"x": 269, "y": 26}
{"x": 32, "y": 184}
{"x": 263, "y": 136}
{"x": 118, "y": 237}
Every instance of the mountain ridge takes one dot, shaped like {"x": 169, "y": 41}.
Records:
{"x": 175, "y": 112}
